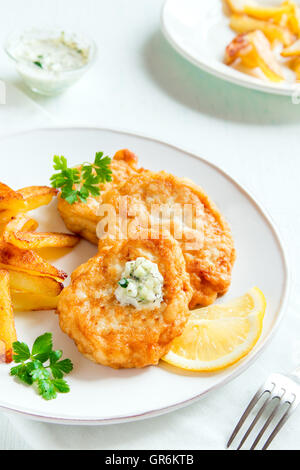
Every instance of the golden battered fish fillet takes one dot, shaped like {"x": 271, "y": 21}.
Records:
{"x": 121, "y": 336}
{"x": 210, "y": 263}
{"x": 81, "y": 218}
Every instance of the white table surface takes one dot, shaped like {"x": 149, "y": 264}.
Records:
{"x": 140, "y": 84}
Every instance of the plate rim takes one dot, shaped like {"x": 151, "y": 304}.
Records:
{"x": 50, "y": 418}
{"x": 242, "y": 81}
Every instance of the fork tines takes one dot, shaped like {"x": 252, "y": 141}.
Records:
{"x": 278, "y": 398}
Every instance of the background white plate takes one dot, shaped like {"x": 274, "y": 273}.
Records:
{"x": 199, "y": 31}
{"x": 99, "y": 394}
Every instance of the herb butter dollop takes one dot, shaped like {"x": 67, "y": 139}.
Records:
{"x": 140, "y": 285}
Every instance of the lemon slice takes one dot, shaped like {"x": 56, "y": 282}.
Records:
{"x": 217, "y": 336}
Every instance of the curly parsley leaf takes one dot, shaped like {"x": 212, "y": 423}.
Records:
{"x": 48, "y": 379}
{"x": 77, "y": 184}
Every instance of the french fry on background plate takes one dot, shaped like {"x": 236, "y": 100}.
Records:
{"x": 261, "y": 12}
{"x": 237, "y": 6}
{"x": 22, "y": 302}
{"x": 295, "y": 66}
{"x": 36, "y": 240}
{"x": 246, "y": 24}
{"x": 292, "y": 51}
{"x": 293, "y": 16}
{"x": 253, "y": 50}
{"x": 7, "y": 324}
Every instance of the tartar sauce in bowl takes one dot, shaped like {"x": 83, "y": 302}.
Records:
{"x": 50, "y": 60}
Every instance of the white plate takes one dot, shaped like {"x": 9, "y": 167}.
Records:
{"x": 199, "y": 31}
{"x": 99, "y": 394}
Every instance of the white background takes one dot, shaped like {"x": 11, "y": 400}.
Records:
{"x": 139, "y": 83}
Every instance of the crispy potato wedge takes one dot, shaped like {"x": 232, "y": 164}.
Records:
{"x": 246, "y": 24}
{"x": 253, "y": 50}
{"x": 33, "y": 197}
{"x": 22, "y": 302}
{"x": 36, "y": 240}
{"x": 21, "y": 222}
{"x": 34, "y": 284}
{"x": 37, "y": 196}
{"x": 10, "y": 199}
{"x": 7, "y": 324}
{"x": 6, "y": 216}
{"x": 17, "y": 259}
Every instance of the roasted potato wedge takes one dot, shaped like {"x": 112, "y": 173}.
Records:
{"x": 7, "y": 324}
{"x": 253, "y": 50}
{"x": 246, "y": 24}
{"x": 10, "y": 199}
{"x": 32, "y": 197}
{"x": 17, "y": 259}
{"x": 37, "y": 196}
{"x": 36, "y": 240}
{"x": 34, "y": 284}
{"x": 6, "y": 216}
{"x": 21, "y": 222}
{"x": 22, "y": 302}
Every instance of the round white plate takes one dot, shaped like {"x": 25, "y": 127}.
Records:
{"x": 101, "y": 395}
{"x": 199, "y": 31}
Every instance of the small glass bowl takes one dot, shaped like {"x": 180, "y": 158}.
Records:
{"x": 43, "y": 81}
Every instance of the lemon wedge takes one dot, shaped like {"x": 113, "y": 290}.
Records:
{"x": 217, "y": 336}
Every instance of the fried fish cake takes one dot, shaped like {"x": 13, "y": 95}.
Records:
{"x": 118, "y": 335}
{"x": 82, "y": 218}
{"x": 210, "y": 258}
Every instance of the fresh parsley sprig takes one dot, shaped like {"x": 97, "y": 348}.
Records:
{"x": 77, "y": 184}
{"x": 31, "y": 370}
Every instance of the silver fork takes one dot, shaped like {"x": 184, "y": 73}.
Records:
{"x": 279, "y": 397}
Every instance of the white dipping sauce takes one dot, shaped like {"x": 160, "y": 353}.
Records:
{"x": 50, "y": 61}
{"x": 51, "y": 54}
